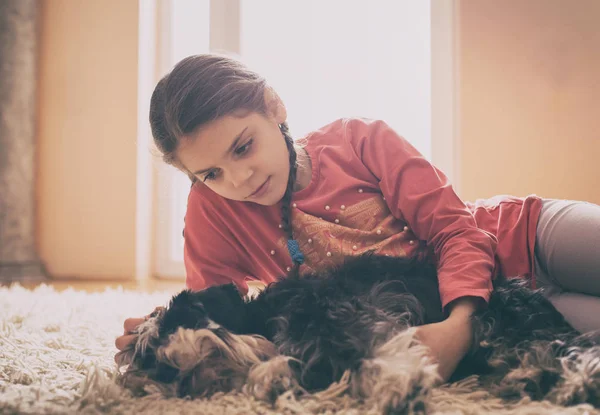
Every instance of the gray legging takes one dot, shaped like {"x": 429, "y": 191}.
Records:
{"x": 567, "y": 260}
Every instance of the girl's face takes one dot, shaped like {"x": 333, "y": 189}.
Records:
{"x": 242, "y": 158}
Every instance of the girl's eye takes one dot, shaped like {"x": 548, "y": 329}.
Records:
{"x": 210, "y": 176}
{"x": 241, "y": 150}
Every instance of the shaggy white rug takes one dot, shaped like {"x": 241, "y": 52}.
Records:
{"x": 56, "y": 357}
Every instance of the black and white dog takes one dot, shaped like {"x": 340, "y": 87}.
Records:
{"x": 357, "y": 321}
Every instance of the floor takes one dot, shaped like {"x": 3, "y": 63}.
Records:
{"x": 149, "y": 285}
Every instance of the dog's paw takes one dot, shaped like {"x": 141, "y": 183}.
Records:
{"x": 397, "y": 402}
{"x": 393, "y": 393}
{"x": 267, "y": 380}
{"x": 399, "y": 379}
{"x": 580, "y": 381}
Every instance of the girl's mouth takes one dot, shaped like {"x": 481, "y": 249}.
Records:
{"x": 262, "y": 190}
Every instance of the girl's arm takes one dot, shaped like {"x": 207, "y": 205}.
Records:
{"x": 420, "y": 194}
{"x": 462, "y": 308}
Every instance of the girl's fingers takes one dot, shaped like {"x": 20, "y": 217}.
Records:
{"x": 131, "y": 323}
{"x": 123, "y": 341}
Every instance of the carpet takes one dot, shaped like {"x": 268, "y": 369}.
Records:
{"x": 56, "y": 357}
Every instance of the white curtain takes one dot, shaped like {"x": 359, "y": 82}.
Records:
{"x": 339, "y": 58}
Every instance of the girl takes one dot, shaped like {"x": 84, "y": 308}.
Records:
{"x": 262, "y": 205}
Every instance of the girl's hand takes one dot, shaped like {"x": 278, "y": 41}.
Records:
{"x": 450, "y": 340}
{"x": 124, "y": 341}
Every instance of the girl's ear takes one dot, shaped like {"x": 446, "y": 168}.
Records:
{"x": 274, "y": 105}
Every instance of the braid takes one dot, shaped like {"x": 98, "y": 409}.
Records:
{"x": 287, "y": 197}
{"x": 286, "y": 201}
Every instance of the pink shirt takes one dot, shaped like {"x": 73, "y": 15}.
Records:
{"x": 370, "y": 190}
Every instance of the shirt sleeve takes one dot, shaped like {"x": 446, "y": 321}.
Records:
{"x": 209, "y": 256}
{"x": 421, "y": 194}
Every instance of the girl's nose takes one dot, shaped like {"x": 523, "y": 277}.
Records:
{"x": 240, "y": 177}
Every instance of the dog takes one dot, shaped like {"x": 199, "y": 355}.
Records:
{"x": 359, "y": 320}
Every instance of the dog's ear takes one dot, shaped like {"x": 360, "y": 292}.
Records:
{"x": 221, "y": 295}
{"x": 222, "y": 304}
{"x": 231, "y": 291}
{"x": 225, "y": 305}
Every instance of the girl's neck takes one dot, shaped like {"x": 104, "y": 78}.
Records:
{"x": 304, "y": 172}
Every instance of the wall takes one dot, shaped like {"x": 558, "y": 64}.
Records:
{"x": 87, "y": 138}
{"x": 529, "y": 113}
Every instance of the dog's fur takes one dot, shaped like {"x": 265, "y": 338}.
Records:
{"x": 304, "y": 333}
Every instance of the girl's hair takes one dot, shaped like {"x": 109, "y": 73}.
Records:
{"x": 200, "y": 89}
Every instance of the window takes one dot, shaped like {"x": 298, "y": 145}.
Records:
{"x": 183, "y": 30}
{"x": 327, "y": 59}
